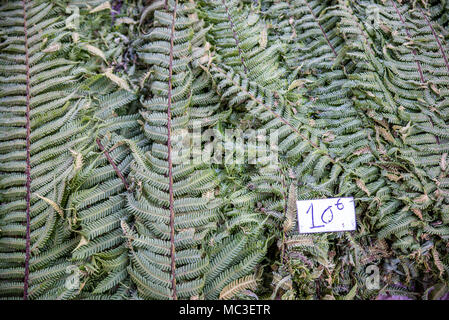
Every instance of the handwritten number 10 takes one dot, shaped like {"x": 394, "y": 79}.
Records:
{"x": 313, "y": 221}
{"x": 325, "y": 218}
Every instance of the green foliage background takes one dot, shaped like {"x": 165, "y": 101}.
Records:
{"x": 93, "y": 93}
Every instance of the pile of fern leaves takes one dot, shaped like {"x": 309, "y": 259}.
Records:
{"x": 94, "y": 95}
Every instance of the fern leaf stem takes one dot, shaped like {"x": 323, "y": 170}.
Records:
{"x": 28, "y": 161}
{"x": 321, "y": 28}
{"x": 418, "y": 64}
{"x": 169, "y": 159}
{"x": 436, "y": 38}
{"x": 111, "y": 161}
{"x": 234, "y": 34}
{"x": 410, "y": 36}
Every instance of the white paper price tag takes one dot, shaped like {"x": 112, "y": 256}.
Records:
{"x": 326, "y": 215}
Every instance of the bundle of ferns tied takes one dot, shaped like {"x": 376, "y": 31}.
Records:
{"x": 123, "y": 125}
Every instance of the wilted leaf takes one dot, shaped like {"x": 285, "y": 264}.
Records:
{"x": 105, "y": 5}
{"x": 263, "y": 39}
{"x": 117, "y": 80}
{"x": 252, "y": 19}
{"x": 94, "y": 50}
{"x": 52, "y": 48}
{"x": 53, "y": 204}
{"x": 362, "y": 186}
